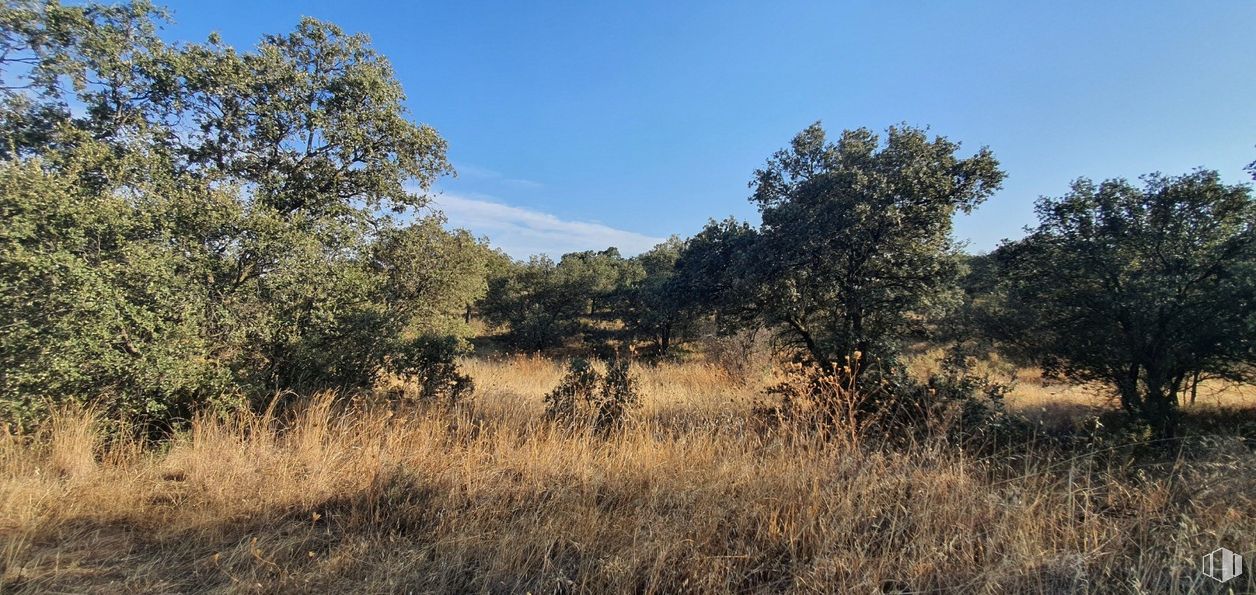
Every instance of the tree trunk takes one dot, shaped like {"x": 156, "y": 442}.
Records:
{"x": 1160, "y": 405}
{"x": 1162, "y": 413}
{"x": 1194, "y": 387}
{"x": 811, "y": 345}
{"x": 1127, "y": 387}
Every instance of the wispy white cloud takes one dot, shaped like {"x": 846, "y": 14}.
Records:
{"x": 472, "y": 171}
{"x": 522, "y": 232}
{"x": 522, "y": 183}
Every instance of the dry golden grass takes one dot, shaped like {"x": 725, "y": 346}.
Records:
{"x": 686, "y": 498}
{"x": 1031, "y": 390}
{"x": 1052, "y": 402}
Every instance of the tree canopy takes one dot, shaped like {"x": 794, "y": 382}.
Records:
{"x": 187, "y": 223}
{"x": 855, "y": 248}
{"x": 1141, "y": 288}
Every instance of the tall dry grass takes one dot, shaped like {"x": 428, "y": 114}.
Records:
{"x": 355, "y": 497}
{"x": 1055, "y": 403}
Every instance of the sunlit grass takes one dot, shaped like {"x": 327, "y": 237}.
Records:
{"x": 688, "y": 497}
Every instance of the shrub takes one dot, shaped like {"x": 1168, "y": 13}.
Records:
{"x": 100, "y": 303}
{"x": 586, "y": 396}
{"x": 889, "y": 403}
{"x": 618, "y": 395}
{"x": 430, "y": 364}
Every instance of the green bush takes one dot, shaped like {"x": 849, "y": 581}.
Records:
{"x": 100, "y": 303}
{"x": 430, "y": 363}
{"x": 585, "y": 396}
{"x": 161, "y": 253}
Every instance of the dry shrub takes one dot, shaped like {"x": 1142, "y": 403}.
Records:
{"x": 813, "y": 401}
{"x": 743, "y": 354}
{"x": 857, "y": 400}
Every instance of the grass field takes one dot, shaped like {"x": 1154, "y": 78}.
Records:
{"x": 338, "y": 496}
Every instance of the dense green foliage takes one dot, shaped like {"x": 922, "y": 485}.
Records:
{"x": 652, "y": 305}
{"x": 192, "y": 224}
{"x": 854, "y": 253}
{"x": 95, "y": 293}
{"x": 855, "y": 250}
{"x": 539, "y": 301}
{"x": 429, "y": 364}
{"x": 1144, "y": 289}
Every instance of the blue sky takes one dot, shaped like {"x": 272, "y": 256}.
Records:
{"x": 577, "y": 125}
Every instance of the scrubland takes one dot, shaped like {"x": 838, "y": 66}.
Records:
{"x": 342, "y": 495}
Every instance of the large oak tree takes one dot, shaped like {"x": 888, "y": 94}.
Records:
{"x": 1142, "y": 288}
{"x": 855, "y": 248}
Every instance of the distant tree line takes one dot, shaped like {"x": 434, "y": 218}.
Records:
{"x": 544, "y": 304}
{"x": 191, "y": 225}
{"x": 1146, "y": 289}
